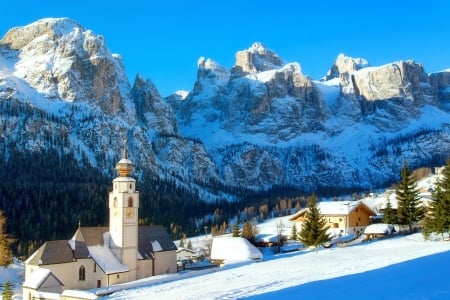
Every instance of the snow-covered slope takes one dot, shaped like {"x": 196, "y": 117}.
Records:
{"x": 400, "y": 268}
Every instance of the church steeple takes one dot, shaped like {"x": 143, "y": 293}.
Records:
{"x": 123, "y": 215}
{"x": 124, "y": 166}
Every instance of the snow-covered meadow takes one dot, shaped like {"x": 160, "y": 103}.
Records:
{"x": 405, "y": 267}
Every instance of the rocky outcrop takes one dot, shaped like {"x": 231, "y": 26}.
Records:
{"x": 256, "y": 59}
{"x": 396, "y": 80}
{"x": 261, "y": 124}
{"x": 441, "y": 82}
{"x": 151, "y": 110}
{"x": 61, "y": 59}
{"x": 345, "y": 65}
{"x": 268, "y": 97}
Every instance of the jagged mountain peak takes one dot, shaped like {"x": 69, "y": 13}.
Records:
{"x": 209, "y": 69}
{"x": 345, "y": 64}
{"x": 255, "y": 59}
{"x": 260, "y": 124}
{"x": 62, "y": 60}
{"x": 18, "y": 37}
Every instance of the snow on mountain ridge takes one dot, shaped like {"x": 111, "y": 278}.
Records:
{"x": 260, "y": 124}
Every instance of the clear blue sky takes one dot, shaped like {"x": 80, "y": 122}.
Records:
{"x": 162, "y": 40}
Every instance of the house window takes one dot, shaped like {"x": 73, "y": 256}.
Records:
{"x": 130, "y": 202}
{"x": 118, "y": 276}
{"x": 82, "y": 273}
{"x": 95, "y": 267}
{"x": 340, "y": 219}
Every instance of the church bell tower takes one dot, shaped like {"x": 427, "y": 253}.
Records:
{"x": 123, "y": 215}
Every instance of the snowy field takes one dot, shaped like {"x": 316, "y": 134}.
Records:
{"x": 404, "y": 267}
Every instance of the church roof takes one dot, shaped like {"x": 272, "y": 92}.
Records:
{"x": 152, "y": 239}
{"x": 88, "y": 242}
{"x": 91, "y": 236}
{"x": 57, "y": 252}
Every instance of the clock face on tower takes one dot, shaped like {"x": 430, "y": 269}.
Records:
{"x": 130, "y": 212}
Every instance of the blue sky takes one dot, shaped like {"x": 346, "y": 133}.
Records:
{"x": 162, "y": 40}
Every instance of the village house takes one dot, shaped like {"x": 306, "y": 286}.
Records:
{"x": 343, "y": 217}
{"x": 102, "y": 256}
{"x": 185, "y": 254}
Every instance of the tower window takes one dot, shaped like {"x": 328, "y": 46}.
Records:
{"x": 130, "y": 202}
{"x": 82, "y": 273}
{"x": 115, "y": 201}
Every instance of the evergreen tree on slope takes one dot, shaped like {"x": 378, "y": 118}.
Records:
{"x": 7, "y": 293}
{"x": 410, "y": 209}
{"x": 314, "y": 228}
{"x": 438, "y": 220}
{"x": 389, "y": 216}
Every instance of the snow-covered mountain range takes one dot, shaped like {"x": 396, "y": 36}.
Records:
{"x": 258, "y": 125}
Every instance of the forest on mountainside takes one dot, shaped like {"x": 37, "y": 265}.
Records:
{"x": 46, "y": 195}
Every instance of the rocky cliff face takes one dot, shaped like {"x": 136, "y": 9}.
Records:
{"x": 267, "y": 123}
{"x": 61, "y": 87}
{"x": 260, "y": 124}
{"x": 62, "y": 60}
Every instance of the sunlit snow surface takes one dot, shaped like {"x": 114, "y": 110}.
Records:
{"x": 398, "y": 268}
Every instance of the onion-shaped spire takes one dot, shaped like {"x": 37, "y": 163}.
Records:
{"x": 124, "y": 166}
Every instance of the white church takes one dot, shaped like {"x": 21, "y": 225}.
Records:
{"x": 97, "y": 257}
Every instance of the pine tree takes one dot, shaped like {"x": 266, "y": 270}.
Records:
{"x": 438, "y": 220}
{"x": 314, "y": 228}
{"x": 410, "y": 209}
{"x": 5, "y": 243}
{"x": 294, "y": 233}
{"x": 389, "y": 216}
{"x": 236, "y": 230}
{"x": 7, "y": 291}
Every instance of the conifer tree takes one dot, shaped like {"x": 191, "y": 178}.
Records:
{"x": 294, "y": 233}
{"x": 410, "y": 210}
{"x": 5, "y": 243}
{"x": 236, "y": 230}
{"x": 314, "y": 228}
{"x": 389, "y": 216}
{"x": 7, "y": 291}
{"x": 438, "y": 219}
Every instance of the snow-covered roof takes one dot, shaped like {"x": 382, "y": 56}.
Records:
{"x": 38, "y": 277}
{"x": 185, "y": 249}
{"x": 334, "y": 208}
{"x": 156, "y": 246}
{"x": 234, "y": 249}
{"x": 379, "y": 229}
{"x": 106, "y": 260}
{"x": 338, "y": 207}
